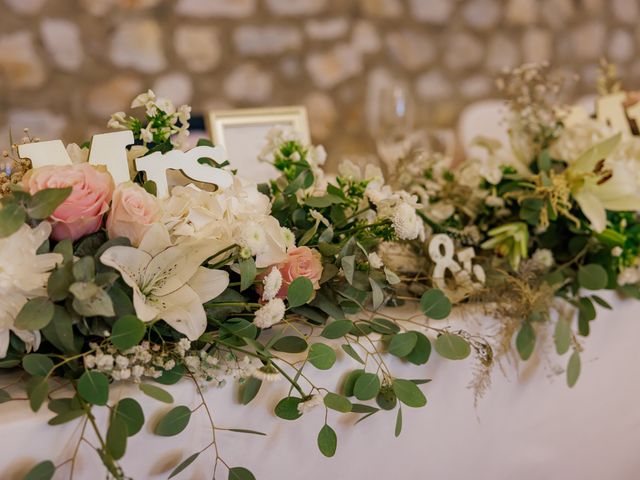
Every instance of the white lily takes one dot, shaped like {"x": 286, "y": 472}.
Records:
{"x": 168, "y": 280}
{"x": 599, "y": 186}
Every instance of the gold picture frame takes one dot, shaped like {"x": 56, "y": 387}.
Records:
{"x": 242, "y": 132}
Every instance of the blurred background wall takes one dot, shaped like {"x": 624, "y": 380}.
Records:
{"x": 66, "y": 65}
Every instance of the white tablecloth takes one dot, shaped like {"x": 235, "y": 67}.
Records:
{"x": 528, "y": 426}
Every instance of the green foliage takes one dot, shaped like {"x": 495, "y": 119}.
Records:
{"x": 592, "y": 277}
{"x": 290, "y": 344}
{"x": 403, "y": 344}
{"x": 421, "y": 352}
{"x": 366, "y": 386}
{"x": 173, "y": 422}
{"x": 321, "y": 356}
{"x": 526, "y": 340}
{"x": 337, "y": 329}
{"x": 452, "y": 346}
{"x": 300, "y": 292}
{"x": 573, "y": 369}
{"x": 93, "y": 387}
{"x": 240, "y": 473}
{"x": 287, "y": 408}
{"x": 562, "y": 336}
{"x": 35, "y": 314}
{"x": 327, "y": 441}
{"x": 37, "y": 364}
{"x": 250, "y": 389}
{"x": 116, "y": 441}
{"x": 42, "y": 471}
{"x": 435, "y": 304}
{"x": 37, "y": 391}
{"x": 184, "y": 464}
{"x": 127, "y": 332}
{"x": 129, "y": 411}
{"x": 156, "y": 392}
{"x": 337, "y": 402}
{"x": 247, "y": 273}
{"x": 409, "y": 393}
{"x": 12, "y": 217}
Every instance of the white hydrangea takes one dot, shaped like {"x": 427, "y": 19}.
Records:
{"x": 270, "y": 313}
{"x": 374, "y": 260}
{"x": 406, "y": 222}
{"x": 543, "y": 257}
{"x": 272, "y": 284}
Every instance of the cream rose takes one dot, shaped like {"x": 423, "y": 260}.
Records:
{"x": 133, "y": 211}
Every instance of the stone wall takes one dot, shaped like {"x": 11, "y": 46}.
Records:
{"x": 65, "y": 65}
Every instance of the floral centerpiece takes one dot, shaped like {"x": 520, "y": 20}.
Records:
{"x": 103, "y": 283}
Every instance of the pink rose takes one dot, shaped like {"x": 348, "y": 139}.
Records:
{"x": 81, "y": 213}
{"x": 133, "y": 211}
{"x": 301, "y": 262}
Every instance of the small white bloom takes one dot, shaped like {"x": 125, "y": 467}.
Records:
{"x": 272, "y": 284}
{"x": 146, "y": 134}
{"x": 143, "y": 99}
{"x": 125, "y": 373}
{"x": 289, "y": 238}
{"x": 252, "y": 236}
{"x": 374, "y": 260}
{"x": 295, "y": 156}
{"x": 494, "y": 201}
{"x": 192, "y": 362}
{"x": 309, "y": 404}
{"x": 104, "y": 362}
{"x": 270, "y": 313}
{"x": 266, "y": 374}
{"x": 137, "y": 372}
{"x": 616, "y": 251}
{"x": 543, "y": 257}
{"x": 90, "y": 361}
{"x": 122, "y": 361}
{"x": 629, "y": 276}
{"x": 169, "y": 364}
{"x": 318, "y": 217}
{"x": 406, "y": 222}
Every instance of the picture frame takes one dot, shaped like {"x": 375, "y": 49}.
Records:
{"x": 242, "y": 132}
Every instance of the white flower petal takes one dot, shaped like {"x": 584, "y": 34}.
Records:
{"x": 129, "y": 261}
{"x": 4, "y": 342}
{"x": 593, "y": 209}
{"x": 186, "y": 314}
{"x": 172, "y": 268}
{"x": 155, "y": 240}
{"x": 208, "y": 284}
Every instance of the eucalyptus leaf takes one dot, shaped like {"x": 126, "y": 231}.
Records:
{"x": 337, "y": 329}
{"x": 398, "y": 429}
{"x": 37, "y": 391}
{"x": 337, "y": 402}
{"x": 573, "y": 369}
{"x": 300, "y": 292}
{"x": 348, "y": 267}
{"x": 287, "y": 408}
{"x": 327, "y": 441}
{"x": 290, "y": 344}
{"x": 250, "y": 389}
{"x": 44, "y": 202}
{"x": 409, "y": 393}
{"x": 37, "y": 364}
{"x": 349, "y": 350}
{"x": 156, "y": 392}
{"x": 350, "y": 382}
{"x": 435, "y": 304}
{"x": 402, "y": 344}
{"x": 562, "y": 336}
{"x": 174, "y": 422}
{"x": 592, "y": 277}
{"x": 452, "y": 346}
{"x": 377, "y": 294}
{"x": 130, "y": 412}
{"x": 526, "y": 340}
{"x": 42, "y": 471}
{"x": 12, "y": 217}
{"x": 422, "y": 350}
{"x": 366, "y": 386}
{"x": 35, "y": 314}
{"x": 240, "y": 473}
{"x": 247, "y": 273}
{"x": 184, "y": 464}
{"x": 127, "y": 332}
{"x": 93, "y": 387}
{"x": 321, "y": 356}
{"x": 116, "y": 440}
